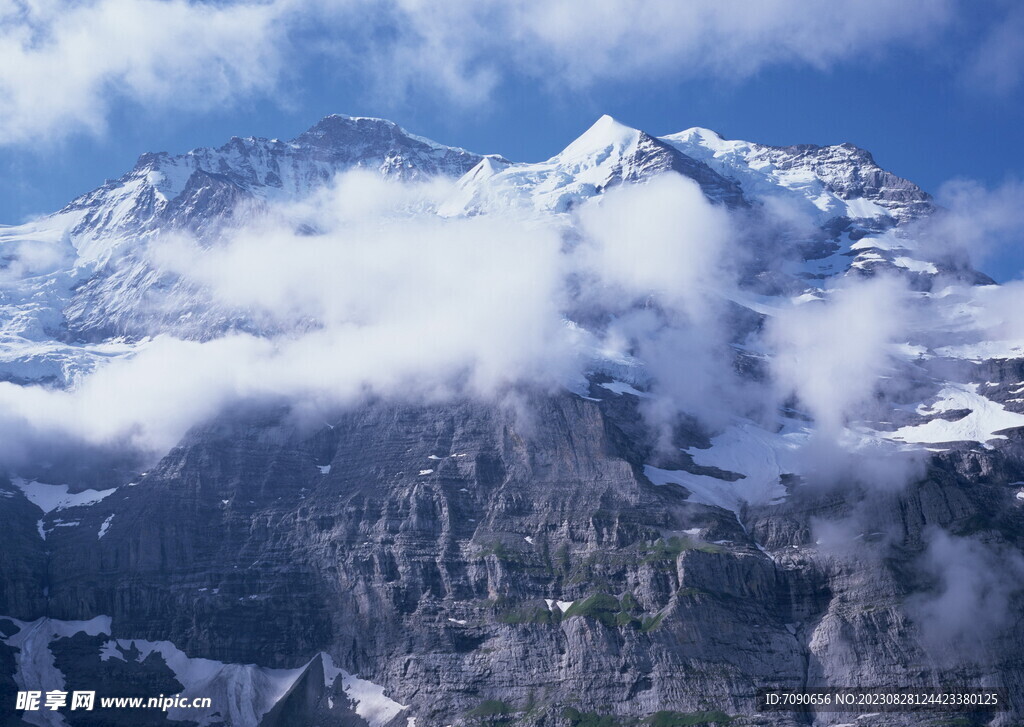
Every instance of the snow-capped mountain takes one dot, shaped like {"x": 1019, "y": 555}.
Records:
{"x": 589, "y": 551}
{"x": 840, "y": 180}
{"x": 607, "y": 154}
{"x": 859, "y": 209}
{"x": 99, "y": 285}
{"x": 92, "y": 284}
{"x": 202, "y": 187}
{"x": 96, "y": 294}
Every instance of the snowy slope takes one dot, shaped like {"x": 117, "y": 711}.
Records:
{"x": 88, "y": 284}
{"x": 607, "y": 154}
{"x": 839, "y": 180}
{"x": 867, "y": 209}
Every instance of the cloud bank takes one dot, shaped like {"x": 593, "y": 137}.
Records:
{"x": 362, "y": 290}
{"x": 382, "y": 300}
{"x": 69, "y": 65}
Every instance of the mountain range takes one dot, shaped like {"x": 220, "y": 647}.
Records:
{"x": 615, "y": 545}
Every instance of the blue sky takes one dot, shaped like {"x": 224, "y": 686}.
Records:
{"x": 933, "y": 88}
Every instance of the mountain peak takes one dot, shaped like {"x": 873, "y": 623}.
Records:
{"x": 699, "y": 133}
{"x": 604, "y": 133}
{"x": 336, "y": 120}
{"x": 200, "y": 187}
{"x": 609, "y": 122}
{"x": 339, "y": 128}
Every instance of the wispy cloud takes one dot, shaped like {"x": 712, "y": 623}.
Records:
{"x": 970, "y": 602}
{"x": 831, "y": 354}
{"x": 974, "y": 222}
{"x": 66, "y": 65}
{"x": 613, "y": 39}
{"x": 997, "y": 66}
{"x": 383, "y": 301}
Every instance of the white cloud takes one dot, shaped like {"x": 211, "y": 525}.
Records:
{"x": 730, "y": 37}
{"x": 463, "y": 47}
{"x": 382, "y": 301}
{"x": 68, "y": 65}
{"x": 974, "y": 222}
{"x": 830, "y": 354}
{"x": 994, "y": 312}
{"x": 389, "y": 299}
{"x": 656, "y": 254}
{"x": 839, "y": 359}
{"x": 386, "y": 298}
{"x": 662, "y": 238}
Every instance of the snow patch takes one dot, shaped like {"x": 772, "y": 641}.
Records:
{"x": 621, "y": 387}
{"x": 986, "y": 417}
{"x": 916, "y": 266}
{"x": 983, "y": 350}
{"x": 56, "y": 497}
{"x": 864, "y": 209}
{"x": 371, "y": 703}
{"x": 762, "y": 457}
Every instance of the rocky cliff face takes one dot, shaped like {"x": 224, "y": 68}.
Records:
{"x": 469, "y": 560}
{"x": 551, "y": 559}
{"x": 473, "y": 560}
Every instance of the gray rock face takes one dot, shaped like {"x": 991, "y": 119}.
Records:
{"x": 427, "y": 548}
{"x": 23, "y": 559}
{"x": 653, "y": 156}
{"x": 851, "y": 173}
